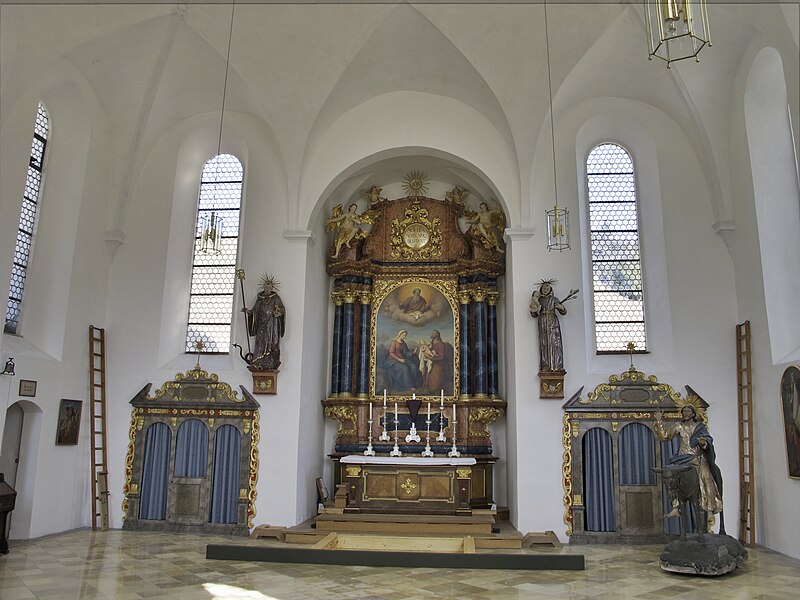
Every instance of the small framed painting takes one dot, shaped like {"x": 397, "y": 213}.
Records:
{"x": 69, "y": 422}
{"x": 27, "y": 388}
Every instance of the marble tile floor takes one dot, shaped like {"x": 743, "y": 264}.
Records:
{"x": 131, "y": 566}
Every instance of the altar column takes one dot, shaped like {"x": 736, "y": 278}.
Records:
{"x": 481, "y": 350}
{"x": 338, "y": 317}
{"x": 463, "y": 344}
{"x": 492, "y": 298}
{"x": 346, "y": 387}
{"x": 363, "y": 348}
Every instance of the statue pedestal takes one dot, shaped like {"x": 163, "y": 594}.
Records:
{"x": 551, "y": 384}
{"x": 265, "y": 382}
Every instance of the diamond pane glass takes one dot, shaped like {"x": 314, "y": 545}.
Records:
{"x": 27, "y": 221}
{"x": 214, "y": 267}
{"x": 616, "y": 260}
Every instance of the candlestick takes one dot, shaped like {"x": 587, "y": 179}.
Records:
{"x": 370, "y": 451}
{"x": 454, "y": 453}
{"x": 396, "y": 450}
{"x": 384, "y": 436}
{"x": 428, "y": 451}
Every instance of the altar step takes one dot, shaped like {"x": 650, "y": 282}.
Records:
{"x": 414, "y": 524}
{"x": 478, "y": 527}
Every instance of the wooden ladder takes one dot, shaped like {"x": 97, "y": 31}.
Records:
{"x": 747, "y": 524}
{"x": 97, "y": 391}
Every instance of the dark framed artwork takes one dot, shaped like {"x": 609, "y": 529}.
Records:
{"x": 69, "y": 422}
{"x": 414, "y": 340}
{"x": 27, "y": 388}
{"x": 790, "y": 400}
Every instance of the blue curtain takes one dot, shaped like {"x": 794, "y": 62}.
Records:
{"x": 225, "y": 475}
{"x": 637, "y": 455}
{"x": 153, "y": 497}
{"x": 191, "y": 449}
{"x": 598, "y": 481}
{"x": 673, "y": 525}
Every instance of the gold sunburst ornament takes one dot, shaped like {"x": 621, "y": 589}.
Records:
{"x": 415, "y": 184}
{"x": 694, "y": 402}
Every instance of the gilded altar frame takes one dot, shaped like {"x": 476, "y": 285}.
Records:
{"x": 382, "y": 288}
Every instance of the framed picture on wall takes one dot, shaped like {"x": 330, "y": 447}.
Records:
{"x": 27, "y": 388}
{"x": 69, "y": 422}
{"x": 790, "y": 399}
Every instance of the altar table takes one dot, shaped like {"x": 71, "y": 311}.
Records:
{"x": 408, "y": 484}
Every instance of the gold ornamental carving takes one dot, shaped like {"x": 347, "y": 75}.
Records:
{"x": 354, "y": 471}
{"x": 342, "y": 414}
{"x": 416, "y": 236}
{"x": 128, "y": 488}
{"x": 464, "y": 472}
{"x": 566, "y": 470}
{"x": 408, "y": 486}
{"x": 251, "y": 494}
{"x": 479, "y": 419}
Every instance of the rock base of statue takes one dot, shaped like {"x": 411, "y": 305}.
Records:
{"x": 551, "y": 384}
{"x": 265, "y": 381}
{"x": 703, "y": 554}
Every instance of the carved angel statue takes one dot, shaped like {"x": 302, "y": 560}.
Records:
{"x": 374, "y": 195}
{"x": 457, "y": 195}
{"x": 348, "y": 225}
{"x": 488, "y": 225}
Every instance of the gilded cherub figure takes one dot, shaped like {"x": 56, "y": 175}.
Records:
{"x": 488, "y": 225}
{"x": 348, "y": 225}
{"x": 457, "y": 195}
{"x": 374, "y": 196}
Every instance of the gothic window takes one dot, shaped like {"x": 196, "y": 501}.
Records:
{"x": 27, "y": 221}
{"x": 215, "y": 251}
{"x": 616, "y": 261}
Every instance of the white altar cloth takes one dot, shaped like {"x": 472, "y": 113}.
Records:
{"x": 403, "y": 461}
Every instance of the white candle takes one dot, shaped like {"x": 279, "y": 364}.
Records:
{"x": 370, "y": 411}
{"x": 454, "y": 412}
{"x": 414, "y": 396}
{"x": 441, "y": 401}
{"x": 384, "y": 397}
{"x": 429, "y": 411}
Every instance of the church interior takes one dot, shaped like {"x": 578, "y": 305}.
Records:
{"x": 272, "y": 263}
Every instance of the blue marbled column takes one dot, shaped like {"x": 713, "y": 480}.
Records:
{"x": 492, "y": 345}
{"x": 363, "y": 348}
{"x": 336, "y": 351}
{"x": 463, "y": 345}
{"x": 346, "y": 376}
{"x": 481, "y": 345}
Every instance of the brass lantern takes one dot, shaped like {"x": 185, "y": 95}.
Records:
{"x": 676, "y": 29}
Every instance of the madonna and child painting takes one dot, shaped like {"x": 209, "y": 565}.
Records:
{"x": 414, "y": 342}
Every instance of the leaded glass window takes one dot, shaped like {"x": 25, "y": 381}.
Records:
{"x": 215, "y": 249}
{"x": 27, "y": 221}
{"x": 616, "y": 261}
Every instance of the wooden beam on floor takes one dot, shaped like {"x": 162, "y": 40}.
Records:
{"x": 541, "y": 537}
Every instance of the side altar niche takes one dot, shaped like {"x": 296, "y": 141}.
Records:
{"x": 192, "y": 461}
{"x": 415, "y": 365}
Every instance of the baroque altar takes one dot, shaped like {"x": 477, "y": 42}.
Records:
{"x": 415, "y": 362}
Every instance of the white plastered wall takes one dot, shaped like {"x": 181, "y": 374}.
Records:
{"x": 65, "y": 291}
{"x": 777, "y": 495}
